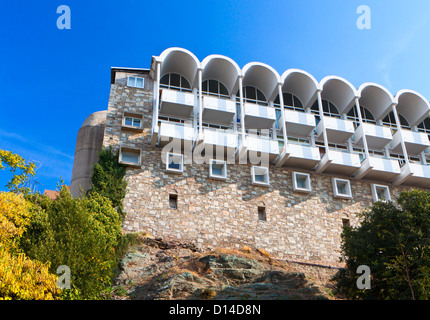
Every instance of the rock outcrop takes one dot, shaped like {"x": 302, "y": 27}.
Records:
{"x": 159, "y": 269}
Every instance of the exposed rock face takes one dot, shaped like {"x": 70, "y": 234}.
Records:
{"x": 156, "y": 269}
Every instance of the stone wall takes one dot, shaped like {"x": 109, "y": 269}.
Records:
{"x": 299, "y": 226}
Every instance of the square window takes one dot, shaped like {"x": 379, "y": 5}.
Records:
{"x": 173, "y": 201}
{"x": 380, "y": 193}
{"x": 260, "y": 175}
{"x": 301, "y": 182}
{"x": 262, "y": 213}
{"x": 342, "y": 188}
{"x": 218, "y": 169}
{"x": 174, "y": 162}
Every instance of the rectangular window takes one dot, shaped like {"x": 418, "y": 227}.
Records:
{"x": 132, "y": 122}
{"x": 174, "y": 162}
{"x": 129, "y": 157}
{"x": 301, "y": 182}
{"x": 260, "y": 175}
{"x": 136, "y": 82}
{"x": 262, "y": 213}
{"x": 218, "y": 169}
{"x": 342, "y": 188}
{"x": 380, "y": 193}
{"x": 345, "y": 222}
{"x": 173, "y": 201}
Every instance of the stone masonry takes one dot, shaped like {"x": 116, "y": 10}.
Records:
{"x": 302, "y": 227}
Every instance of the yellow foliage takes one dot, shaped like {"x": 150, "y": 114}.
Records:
{"x": 20, "y": 169}
{"x": 22, "y": 278}
{"x": 14, "y": 217}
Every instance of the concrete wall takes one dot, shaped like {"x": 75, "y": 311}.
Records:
{"x": 88, "y": 145}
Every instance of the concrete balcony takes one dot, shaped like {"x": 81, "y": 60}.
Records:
{"x": 415, "y": 175}
{"x": 299, "y": 123}
{"x": 168, "y": 132}
{"x": 338, "y": 130}
{"x": 259, "y": 117}
{"x": 299, "y": 156}
{"x": 217, "y": 110}
{"x": 176, "y": 103}
{"x": 379, "y": 169}
{"x": 377, "y": 136}
{"x": 415, "y": 142}
{"x": 338, "y": 162}
{"x": 257, "y": 148}
{"x": 219, "y": 144}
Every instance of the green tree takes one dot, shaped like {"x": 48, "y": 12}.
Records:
{"x": 81, "y": 233}
{"x": 394, "y": 241}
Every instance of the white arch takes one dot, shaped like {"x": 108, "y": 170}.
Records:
{"x": 376, "y": 98}
{"x": 262, "y": 76}
{"x": 338, "y": 91}
{"x": 223, "y": 69}
{"x": 300, "y": 83}
{"x": 412, "y": 105}
{"x": 181, "y": 61}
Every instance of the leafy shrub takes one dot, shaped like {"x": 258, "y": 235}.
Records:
{"x": 21, "y": 278}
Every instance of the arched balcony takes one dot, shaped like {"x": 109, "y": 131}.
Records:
{"x": 412, "y": 109}
{"x": 177, "y": 78}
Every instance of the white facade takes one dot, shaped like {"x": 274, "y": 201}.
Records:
{"x": 293, "y": 120}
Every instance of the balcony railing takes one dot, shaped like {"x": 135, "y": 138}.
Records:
{"x": 176, "y": 103}
{"x": 259, "y": 117}
{"x": 338, "y": 130}
{"x": 415, "y": 142}
{"x": 377, "y": 136}
{"x": 299, "y": 123}
{"x": 218, "y": 110}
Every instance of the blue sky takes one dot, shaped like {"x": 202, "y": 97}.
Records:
{"x": 53, "y": 79}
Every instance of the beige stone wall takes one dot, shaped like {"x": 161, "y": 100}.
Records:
{"x": 299, "y": 226}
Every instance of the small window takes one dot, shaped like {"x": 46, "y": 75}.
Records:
{"x": 136, "y": 82}
{"x": 174, "y": 162}
{"x": 342, "y": 188}
{"x": 173, "y": 201}
{"x": 129, "y": 157}
{"x": 260, "y": 175}
{"x": 218, "y": 169}
{"x": 346, "y": 222}
{"x": 301, "y": 182}
{"x": 133, "y": 122}
{"x": 261, "y": 213}
{"x": 380, "y": 193}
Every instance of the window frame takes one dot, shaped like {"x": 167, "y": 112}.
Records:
{"x": 138, "y": 152}
{"x": 266, "y": 183}
{"x": 308, "y": 184}
{"x": 387, "y": 194}
{"x": 181, "y": 166}
{"x": 135, "y": 81}
{"x": 215, "y": 176}
{"x": 336, "y": 193}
